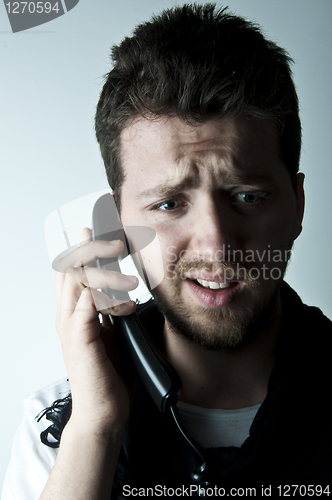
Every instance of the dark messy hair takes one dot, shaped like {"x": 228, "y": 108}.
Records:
{"x": 197, "y": 62}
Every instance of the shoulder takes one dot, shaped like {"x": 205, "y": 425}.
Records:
{"x": 305, "y": 344}
{"x": 309, "y": 320}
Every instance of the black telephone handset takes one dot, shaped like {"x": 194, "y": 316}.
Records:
{"x": 157, "y": 375}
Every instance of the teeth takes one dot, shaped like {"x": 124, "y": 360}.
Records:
{"x": 212, "y": 284}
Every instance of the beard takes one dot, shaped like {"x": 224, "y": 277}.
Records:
{"x": 218, "y": 329}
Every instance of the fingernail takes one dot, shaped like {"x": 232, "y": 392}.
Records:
{"x": 130, "y": 303}
{"x": 132, "y": 278}
{"x": 114, "y": 242}
{"x": 116, "y": 309}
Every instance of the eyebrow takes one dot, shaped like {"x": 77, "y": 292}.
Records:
{"x": 169, "y": 187}
{"x": 247, "y": 178}
{"x": 192, "y": 181}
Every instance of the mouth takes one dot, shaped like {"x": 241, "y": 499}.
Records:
{"x": 215, "y": 285}
{"x": 215, "y": 294}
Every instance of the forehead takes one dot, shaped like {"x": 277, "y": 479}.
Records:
{"x": 169, "y": 148}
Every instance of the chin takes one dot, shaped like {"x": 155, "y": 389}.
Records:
{"x": 218, "y": 329}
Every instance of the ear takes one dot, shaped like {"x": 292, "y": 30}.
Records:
{"x": 300, "y": 203}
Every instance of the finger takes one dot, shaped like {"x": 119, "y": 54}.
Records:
{"x": 103, "y": 303}
{"x": 86, "y": 315}
{"x": 106, "y": 305}
{"x": 106, "y": 279}
{"x": 59, "y": 281}
{"x": 93, "y": 278}
{"x": 123, "y": 309}
{"x": 86, "y": 235}
{"x": 88, "y": 253}
{"x": 73, "y": 257}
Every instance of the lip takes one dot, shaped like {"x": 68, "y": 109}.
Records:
{"x": 220, "y": 278}
{"x": 215, "y": 298}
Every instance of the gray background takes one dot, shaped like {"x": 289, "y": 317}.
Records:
{"x": 51, "y": 77}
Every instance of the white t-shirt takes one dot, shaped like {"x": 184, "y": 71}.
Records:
{"x": 31, "y": 461}
{"x": 213, "y": 428}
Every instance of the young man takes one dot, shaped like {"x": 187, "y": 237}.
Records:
{"x": 199, "y": 129}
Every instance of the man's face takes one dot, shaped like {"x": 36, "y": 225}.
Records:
{"x": 225, "y": 213}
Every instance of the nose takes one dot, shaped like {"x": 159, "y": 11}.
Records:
{"x": 215, "y": 231}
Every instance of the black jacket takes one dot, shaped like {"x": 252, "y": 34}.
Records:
{"x": 290, "y": 438}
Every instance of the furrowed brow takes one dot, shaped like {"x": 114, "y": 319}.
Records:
{"x": 169, "y": 187}
{"x": 247, "y": 178}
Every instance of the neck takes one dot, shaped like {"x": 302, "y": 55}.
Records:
{"x": 228, "y": 378}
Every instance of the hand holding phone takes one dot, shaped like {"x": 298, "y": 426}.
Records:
{"x": 101, "y": 397}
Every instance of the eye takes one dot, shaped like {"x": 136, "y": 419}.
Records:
{"x": 249, "y": 197}
{"x": 169, "y": 205}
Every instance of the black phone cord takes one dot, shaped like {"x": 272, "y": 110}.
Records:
{"x": 198, "y": 476}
